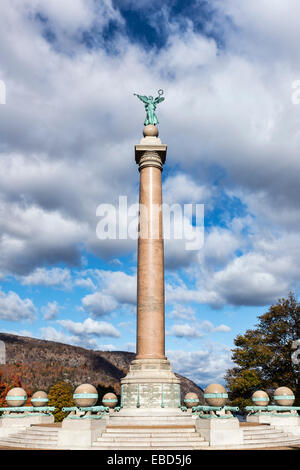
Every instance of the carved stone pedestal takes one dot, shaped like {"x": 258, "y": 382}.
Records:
{"x": 80, "y": 433}
{"x": 150, "y": 383}
{"x": 220, "y": 432}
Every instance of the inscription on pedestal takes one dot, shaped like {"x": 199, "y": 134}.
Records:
{"x": 150, "y": 395}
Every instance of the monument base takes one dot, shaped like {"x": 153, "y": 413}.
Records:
{"x": 151, "y": 417}
{"x": 15, "y": 420}
{"x": 220, "y": 432}
{"x": 285, "y": 422}
{"x": 150, "y": 383}
{"x": 272, "y": 419}
{"x": 80, "y": 433}
{"x": 16, "y": 423}
{"x": 259, "y": 418}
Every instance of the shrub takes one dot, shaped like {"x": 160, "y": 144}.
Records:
{"x": 60, "y": 395}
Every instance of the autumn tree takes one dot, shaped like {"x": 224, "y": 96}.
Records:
{"x": 7, "y": 384}
{"x": 60, "y": 395}
{"x": 263, "y": 355}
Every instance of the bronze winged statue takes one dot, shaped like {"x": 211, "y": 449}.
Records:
{"x": 150, "y": 106}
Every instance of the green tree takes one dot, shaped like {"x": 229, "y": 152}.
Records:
{"x": 60, "y": 395}
{"x": 263, "y": 355}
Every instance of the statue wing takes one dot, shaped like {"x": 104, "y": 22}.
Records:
{"x": 159, "y": 99}
{"x": 144, "y": 99}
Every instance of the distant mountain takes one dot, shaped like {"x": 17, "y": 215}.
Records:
{"x": 39, "y": 364}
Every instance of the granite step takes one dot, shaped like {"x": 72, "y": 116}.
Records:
{"x": 258, "y": 431}
{"x": 136, "y": 443}
{"x": 133, "y": 435}
{"x": 25, "y": 437}
{"x": 148, "y": 448}
{"x": 40, "y": 435}
{"x": 28, "y": 445}
{"x": 276, "y": 440}
{"x": 150, "y": 439}
{"x": 149, "y": 429}
{"x": 256, "y": 437}
{"x": 43, "y": 430}
{"x": 272, "y": 435}
{"x": 264, "y": 445}
{"x": 32, "y": 438}
{"x": 183, "y": 446}
{"x": 155, "y": 421}
{"x": 261, "y": 427}
{"x": 22, "y": 439}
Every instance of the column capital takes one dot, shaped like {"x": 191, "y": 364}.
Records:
{"x": 150, "y": 155}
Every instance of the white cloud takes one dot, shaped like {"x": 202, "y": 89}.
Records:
{"x": 113, "y": 290}
{"x": 208, "y": 327}
{"x": 85, "y": 283}
{"x": 181, "y": 312}
{"x": 194, "y": 329}
{"x": 70, "y": 18}
{"x": 107, "y": 347}
{"x": 13, "y": 308}
{"x": 220, "y": 246}
{"x": 252, "y": 279}
{"x": 205, "y": 366}
{"x": 84, "y": 334}
{"x": 51, "y": 310}
{"x": 99, "y": 304}
{"x": 51, "y": 334}
{"x": 118, "y": 284}
{"x": 125, "y": 324}
{"x": 55, "y": 277}
{"x": 180, "y": 292}
{"x": 27, "y": 333}
{"x": 182, "y": 189}
{"x": 187, "y": 53}
{"x": 184, "y": 331}
{"x": 266, "y": 29}
{"x": 32, "y": 237}
{"x": 223, "y": 328}
{"x": 90, "y": 328}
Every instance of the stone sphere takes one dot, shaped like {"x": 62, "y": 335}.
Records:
{"x": 39, "y": 398}
{"x": 150, "y": 131}
{"x": 215, "y": 395}
{"x": 85, "y": 395}
{"x": 260, "y": 398}
{"x": 110, "y": 400}
{"x": 284, "y": 396}
{"x": 191, "y": 399}
{"x": 16, "y": 397}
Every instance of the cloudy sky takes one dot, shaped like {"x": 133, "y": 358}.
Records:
{"x": 229, "y": 70}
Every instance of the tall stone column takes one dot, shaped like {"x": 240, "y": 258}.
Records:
{"x": 150, "y": 274}
{"x": 150, "y": 382}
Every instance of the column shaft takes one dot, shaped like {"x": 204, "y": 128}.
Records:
{"x": 150, "y": 294}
